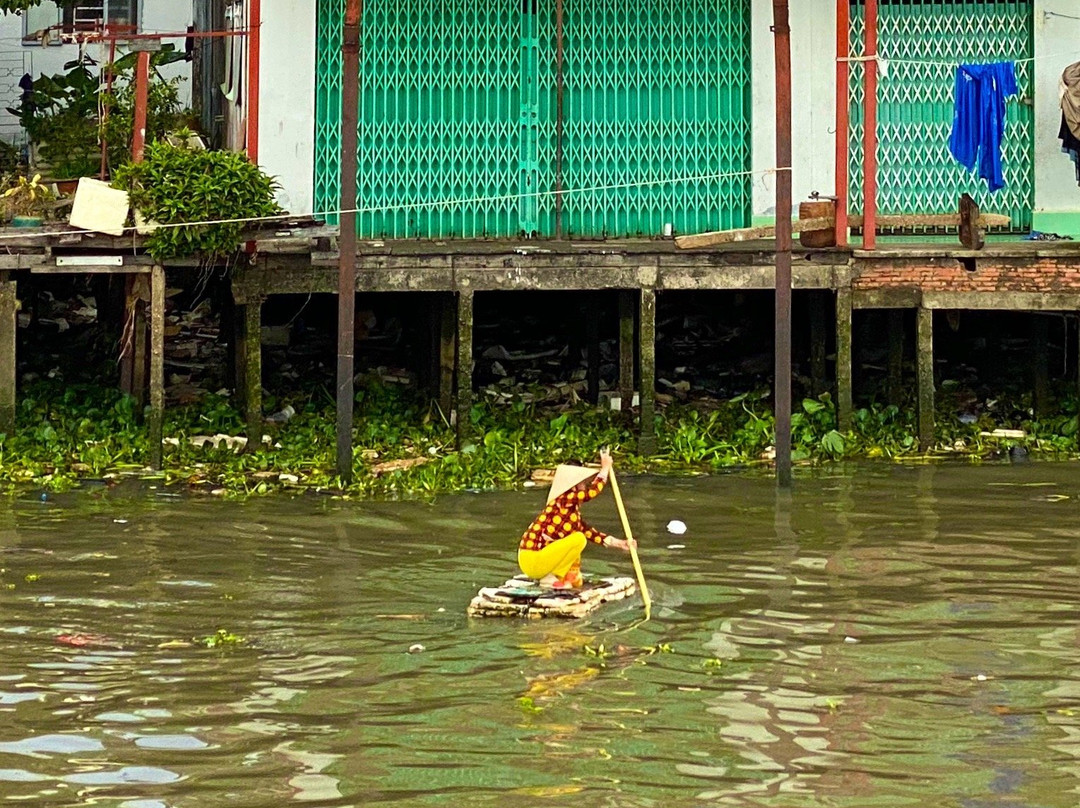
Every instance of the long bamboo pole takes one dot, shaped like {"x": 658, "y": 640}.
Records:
{"x": 633, "y": 548}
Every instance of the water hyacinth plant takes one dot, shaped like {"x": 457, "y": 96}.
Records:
{"x": 403, "y": 445}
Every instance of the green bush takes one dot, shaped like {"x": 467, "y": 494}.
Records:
{"x": 177, "y": 184}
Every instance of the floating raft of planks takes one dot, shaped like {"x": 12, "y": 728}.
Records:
{"x": 522, "y": 597}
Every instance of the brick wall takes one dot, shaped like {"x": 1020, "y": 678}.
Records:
{"x": 949, "y": 274}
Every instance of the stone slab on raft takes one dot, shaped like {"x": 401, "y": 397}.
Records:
{"x": 523, "y": 597}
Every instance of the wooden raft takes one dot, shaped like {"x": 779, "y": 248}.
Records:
{"x": 522, "y": 597}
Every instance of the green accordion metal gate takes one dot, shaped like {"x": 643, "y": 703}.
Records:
{"x": 917, "y": 174}
{"x": 458, "y": 117}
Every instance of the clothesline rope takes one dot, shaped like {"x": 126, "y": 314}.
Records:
{"x": 888, "y": 60}
{"x": 438, "y": 203}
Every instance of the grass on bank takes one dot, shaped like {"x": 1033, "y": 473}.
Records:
{"x": 68, "y": 433}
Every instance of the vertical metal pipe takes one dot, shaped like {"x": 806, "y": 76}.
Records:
{"x": 142, "y": 81}
{"x": 559, "y": 115}
{"x": 870, "y": 128}
{"x": 782, "y": 382}
{"x": 843, "y": 123}
{"x": 350, "y": 110}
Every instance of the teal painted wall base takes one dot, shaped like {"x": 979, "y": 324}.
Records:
{"x": 1064, "y": 223}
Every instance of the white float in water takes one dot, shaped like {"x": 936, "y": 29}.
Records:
{"x": 676, "y": 527}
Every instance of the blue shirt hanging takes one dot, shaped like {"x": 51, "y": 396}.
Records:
{"x": 979, "y": 118}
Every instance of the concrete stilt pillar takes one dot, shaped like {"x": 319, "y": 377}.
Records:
{"x": 894, "y": 382}
{"x": 9, "y": 307}
{"x": 925, "y": 362}
{"x": 464, "y": 397}
{"x": 592, "y": 349}
{"x": 249, "y": 376}
{"x": 647, "y": 370}
{"x": 139, "y": 342}
{"x": 1040, "y": 368}
{"x": 157, "y": 364}
{"x": 817, "y": 343}
{"x": 447, "y": 351}
{"x": 626, "y": 348}
{"x": 843, "y": 359}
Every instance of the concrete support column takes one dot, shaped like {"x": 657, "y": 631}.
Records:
{"x": 592, "y": 348}
{"x": 626, "y": 348}
{"x": 9, "y": 307}
{"x": 447, "y": 313}
{"x": 249, "y": 374}
{"x": 895, "y": 380}
{"x": 843, "y": 359}
{"x": 647, "y": 370}
{"x": 1040, "y": 367}
{"x": 925, "y": 363}
{"x": 817, "y": 343}
{"x": 463, "y": 404}
{"x": 157, "y": 364}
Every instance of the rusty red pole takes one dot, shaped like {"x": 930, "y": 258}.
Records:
{"x": 142, "y": 81}
{"x": 782, "y": 380}
{"x": 254, "y": 55}
{"x": 870, "y": 128}
{"x": 560, "y": 112}
{"x": 843, "y": 123}
{"x": 350, "y": 111}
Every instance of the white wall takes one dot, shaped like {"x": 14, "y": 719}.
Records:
{"x": 1057, "y": 45}
{"x": 813, "y": 112}
{"x": 287, "y": 100}
{"x": 16, "y": 58}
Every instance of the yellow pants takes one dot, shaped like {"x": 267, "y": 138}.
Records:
{"x": 555, "y": 559}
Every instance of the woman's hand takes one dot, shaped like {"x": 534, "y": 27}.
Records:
{"x": 605, "y": 461}
{"x": 619, "y": 544}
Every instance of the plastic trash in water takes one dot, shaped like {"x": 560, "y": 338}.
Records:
{"x": 282, "y": 415}
{"x": 676, "y": 527}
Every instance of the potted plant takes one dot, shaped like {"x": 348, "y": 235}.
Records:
{"x": 26, "y": 201}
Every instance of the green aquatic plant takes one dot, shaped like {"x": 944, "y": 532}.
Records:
{"x": 403, "y": 447}
{"x": 219, "y": 639}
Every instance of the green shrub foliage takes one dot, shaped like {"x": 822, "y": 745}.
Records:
{"x": 176, "y": 184}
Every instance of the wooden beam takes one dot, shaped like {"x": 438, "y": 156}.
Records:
{"x": 855, "y": 220}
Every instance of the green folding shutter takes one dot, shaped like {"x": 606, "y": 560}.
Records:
{"x": 655, "y": 90}
{"x": 457, "y": 102}
{"x": 917, "y": 174}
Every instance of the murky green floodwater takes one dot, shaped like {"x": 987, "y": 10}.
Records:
{"x": 897, "y": 637}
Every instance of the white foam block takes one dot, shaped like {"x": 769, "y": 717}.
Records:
{"x": 99, "y": 207}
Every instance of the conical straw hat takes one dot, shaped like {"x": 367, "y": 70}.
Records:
{"x": 566, "y": 477}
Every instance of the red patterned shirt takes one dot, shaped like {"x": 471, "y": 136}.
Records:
{"x": 562, "y": 517}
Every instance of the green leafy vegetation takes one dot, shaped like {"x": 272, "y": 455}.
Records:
{"x": 177, "y": 184}
{"x": 68, "y": 432}
{"x": 63, "y": 114}
{"x": 220, "y": 639}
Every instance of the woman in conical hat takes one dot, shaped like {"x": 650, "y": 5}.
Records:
{"x": 550, "y": 549}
